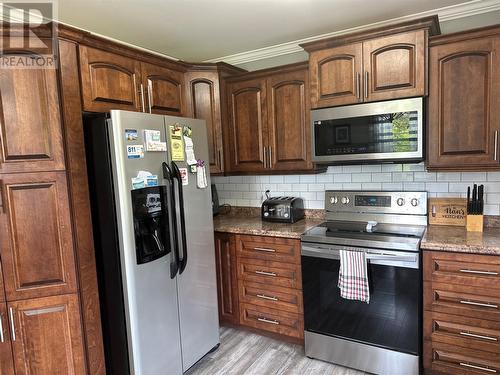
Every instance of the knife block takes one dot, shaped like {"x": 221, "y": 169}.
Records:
{"x": 474, "y": 223}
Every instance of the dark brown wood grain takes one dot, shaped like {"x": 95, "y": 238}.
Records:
{"x": 274, "y": 297}
{"x": 268, "y": 248}
{"x": 6, "y": 358}
{"x": 48, "y": 336}
{"x": 227, "y": 282}
{"x": 30, "y": 123}
{"x": 464, "y": 103}
{"x": 164, "y": 90}
{"x": 80, "y": 206}
{"x": 269, "y": 272}
{"x": 109, "y": 81}
{"x": 36, "y": 236}
{"x": 288, "y": 120}
{"x": 336, "y": 75}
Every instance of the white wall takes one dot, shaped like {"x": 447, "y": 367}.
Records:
{"x": 249, "y": 190}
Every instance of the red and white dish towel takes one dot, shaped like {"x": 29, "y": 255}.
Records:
{"x": 353, "y": 276}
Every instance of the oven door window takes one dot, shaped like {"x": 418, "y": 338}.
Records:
{"x": 383, "y": 133}
{"x": 390, "y": 320}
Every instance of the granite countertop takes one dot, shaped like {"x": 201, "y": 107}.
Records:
{"x": 457, "y": 239}
{"x": 253, "y": 225}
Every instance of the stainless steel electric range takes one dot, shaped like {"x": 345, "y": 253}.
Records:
{"x": 384, "y": 336}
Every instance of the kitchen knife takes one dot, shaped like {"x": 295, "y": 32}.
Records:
{"x": 480, "y": 202}
{"x": 468, "y": 199}
{"x": 474, "y": 199}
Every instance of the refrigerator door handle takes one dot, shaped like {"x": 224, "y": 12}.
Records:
{"x": 174, "y": 264}
{"x": 180, "y": 200}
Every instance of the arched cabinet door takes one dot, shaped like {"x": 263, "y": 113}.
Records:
{"x": 288, "y": 120}
{"x": 163, "y": 89}
{"x": 30, "y": 119}
{"x": 464, "y": 102}
{"x": 394, "y": 66}
{"x": 335, "y": 75}
{"x": 109, "y": 81}
{"x": 247, "y": 125}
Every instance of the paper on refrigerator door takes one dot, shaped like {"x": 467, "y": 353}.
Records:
{"x": 189, "y": 148}
{"x": 153, "y": 141}
{"x": 201, "y": 177}
{"x": 176, "y": 143}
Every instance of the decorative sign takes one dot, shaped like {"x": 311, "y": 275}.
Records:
{"x": 135, "y": 151}
{"x": 447, "y": 211}
{"x": 176, "y": 143}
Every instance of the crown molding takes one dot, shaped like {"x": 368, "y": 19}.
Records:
{"x": 448, "y": 13}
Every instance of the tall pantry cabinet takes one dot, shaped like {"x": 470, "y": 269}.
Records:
{"x": 40, "y": 329}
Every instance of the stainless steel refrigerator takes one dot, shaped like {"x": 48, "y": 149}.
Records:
{"x": 153, "y": 235}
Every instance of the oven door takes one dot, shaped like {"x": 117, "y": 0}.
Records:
{"x": 391, "y": 320}
{"x": 367, "y": 132}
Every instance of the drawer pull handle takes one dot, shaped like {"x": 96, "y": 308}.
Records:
{"x": 266, "y": 273}
{"x": 478, "y": 336}
{"x": 479, "y": 304}
{"x": 265, "y": 249}
{"x": 263, "y": 296}
{"x": 269, "y": 321}
{"x": 480, "y": 272}
{"x": 12, "y": 326}
{"x": 478, "y": 367}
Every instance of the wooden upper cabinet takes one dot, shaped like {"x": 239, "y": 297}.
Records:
{"x": 6, "y": 359}
{"x": 464, "y": 105}
{"x": 109, "y": 81}
{"x": 394, "y": 66}
{"x": 48, "y": 336}
{"x": 163, "y": 89}
{"x": 288, "y": 121}
{"x": 247, "y": 125}
{"x": 30, "y": 121}
{"x": 203, "y": 98}
{"x": 336, "y": 75}
{"x": 36, "y": 244}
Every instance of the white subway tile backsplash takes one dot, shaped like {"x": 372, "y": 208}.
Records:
{"x": 249, "y": 190}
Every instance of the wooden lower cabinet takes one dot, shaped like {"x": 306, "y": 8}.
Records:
{"x": 6, "y": 359}
{"x": 461, "y": 313}
{"x": 47, "y": 336}
{"x": 259, "y": 280}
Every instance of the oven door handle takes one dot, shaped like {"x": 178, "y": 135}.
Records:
{"x": 374, "y": 256}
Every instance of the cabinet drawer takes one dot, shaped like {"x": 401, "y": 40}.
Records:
{"x": 269, "y": 248}
{"x": 270, "y": 273}
{"x": 448, "y": 359}
{"x": 271, "y": 320}
{"x": 283, "y": 299}
{"x": 477, "y": 270}
{"x": 460, "y": 331}
{"x": 461, "y": 300}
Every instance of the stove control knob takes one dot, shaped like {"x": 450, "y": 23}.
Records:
{"x": 414, "y": 202}
{"x": 333, "y": 200}
{"x": 266, "y": 214}
{"x": 400, "y": 201}
{"x": 286, "y": 215}
{"x": 345, "y": 200}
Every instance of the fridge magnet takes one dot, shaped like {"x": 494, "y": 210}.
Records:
{"x": 201, "y": 175}
{"x": 176, "y": 143}
{"x": 135, "y": 151}
{"x": 130, "y": 134}
{"x": 137, "y": 183}
{"x": 184, "y": 176}
{"x": 192, "y": 168}
{"x": 144, "y": 179}
{"x": 153, "y": 141}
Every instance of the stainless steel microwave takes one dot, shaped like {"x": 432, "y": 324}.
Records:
{"x": 368, "y": 133}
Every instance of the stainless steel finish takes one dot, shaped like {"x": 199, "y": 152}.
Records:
{"x": 374, "y": 256}
{"x": 366, "y": 84}
{"x": 2, "y": 338}
{"x": 265, "y": 273}
{"x": 478, "y": 336}
{"x": 366, "y": 109}
{"x": 264, "y": 249}
{"x": 415, "y": 220}
{"x": 364, "y": 357}
{"x": 270, "y": 165}
{"x": 265, "y": 157}
{"x": 358, "y": 87}
{"x": 12, "y": 324}
{"x": 268, "y": 321}
{"x": 495, "y": 156}
{"x": 490, "y": 305}
{"x": 150, "y": 98}
{"x": 143, "y": 105}
{"x": 479, "y": 272}
{"x": 263, "y": 296}
{"x": 478, "y": 367}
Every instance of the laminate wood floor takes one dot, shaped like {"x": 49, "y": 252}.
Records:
{"x": 243, "y": 352}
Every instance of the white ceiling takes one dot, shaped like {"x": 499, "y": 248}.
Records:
{"x": 198, "y": 30}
